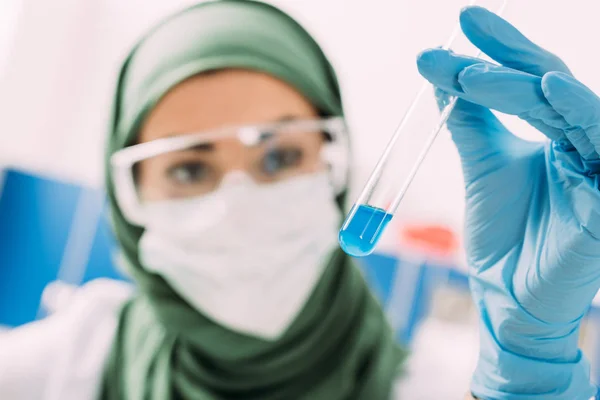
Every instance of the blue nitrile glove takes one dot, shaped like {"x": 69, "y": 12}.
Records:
{"x": 533, "y": 209}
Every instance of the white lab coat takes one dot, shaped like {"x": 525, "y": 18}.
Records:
{"x": 62, "y": 357}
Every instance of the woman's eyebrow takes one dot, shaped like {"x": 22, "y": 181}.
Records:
{"x": 204, "y": 147}
{"x": 287, "y": 118}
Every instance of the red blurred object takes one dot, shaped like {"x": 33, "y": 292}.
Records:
{"x": 430, "y": 240}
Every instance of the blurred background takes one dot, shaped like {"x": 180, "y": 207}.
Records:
{"x": 58, "y": 65}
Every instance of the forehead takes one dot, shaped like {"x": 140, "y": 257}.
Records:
{"x": 228, "y": 97}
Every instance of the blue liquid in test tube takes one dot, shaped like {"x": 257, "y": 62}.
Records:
{"x": 410, "y": 143}
{"x": 364, "y": 229}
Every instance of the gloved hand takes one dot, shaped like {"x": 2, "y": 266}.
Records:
{"x": 533, "y": 209}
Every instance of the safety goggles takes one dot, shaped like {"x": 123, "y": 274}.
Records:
{"x": 194, "y": 165}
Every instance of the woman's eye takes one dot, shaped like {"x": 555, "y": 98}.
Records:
{"x": 189, "y": 173}
{"x": 278, "y": 160}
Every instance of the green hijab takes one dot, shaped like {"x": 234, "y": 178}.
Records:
{"x": 340, "y": 346}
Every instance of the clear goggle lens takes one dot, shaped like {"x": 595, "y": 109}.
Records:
{"x": 200, "y": 168}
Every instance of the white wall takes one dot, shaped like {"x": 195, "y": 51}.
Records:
{"x": 9, "y": 13}
{"x": 56, "y": 86}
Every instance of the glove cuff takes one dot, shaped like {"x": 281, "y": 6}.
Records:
{"x": 528, "y": 378}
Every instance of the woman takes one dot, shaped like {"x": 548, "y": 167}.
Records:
{"x": 226, "y": 177}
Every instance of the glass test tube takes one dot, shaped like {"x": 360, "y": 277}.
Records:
{"x": 402, "y": 157}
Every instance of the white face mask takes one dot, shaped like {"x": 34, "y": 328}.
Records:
{"x": 247, "y": 256}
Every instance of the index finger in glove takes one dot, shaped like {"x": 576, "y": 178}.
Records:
{"x": 506, "y": 44}
{"x": 492, "y": 86}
